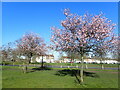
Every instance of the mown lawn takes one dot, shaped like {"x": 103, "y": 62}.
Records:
{"x": 78, "y": 64}
{"x": 66, "y": 64}
{"x": 12, "y": 77}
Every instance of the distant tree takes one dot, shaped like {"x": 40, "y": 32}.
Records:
{"x": 31, "y": 44}
{"x": 105, "y": 45}
{"x": 72, "y": 56}
{"x": 61, "y": 56}
{"x": 80, "y": 34}
{"x": 14, "y": 55}
{"x": 12, "y": 51}
{"x": 100, "y": 54}
{"x": 6, "y": 51}
{"x": 4, "y": 54}
{"x": 116, "y": 51}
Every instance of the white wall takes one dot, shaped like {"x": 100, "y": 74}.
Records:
{"x": 39, "y": 59}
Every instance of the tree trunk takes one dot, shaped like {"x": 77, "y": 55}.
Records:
{"x": 102, "y": 67}
{"x": 81, "y": 71}
{"x": 29, "y": 61}
{"x": 71, "y": 61}
{"x": 13, "y": 63}
{"x": 30, "y": 58}
{"x": 24, "y": 68}
{"x": 118, "y": 66}
{"x": 86, "y": 66}
{"x": 42, "y": 62}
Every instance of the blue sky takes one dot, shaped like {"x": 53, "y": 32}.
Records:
{"x": 21, "y": 17}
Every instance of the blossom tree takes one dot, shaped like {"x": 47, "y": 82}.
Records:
{"x": 106, "y": 40}
{"x": 31, "y": 44}
{"x": 80, "y": 34}
{"x": 103, "y": 47}
{"x": 116, "y": 50}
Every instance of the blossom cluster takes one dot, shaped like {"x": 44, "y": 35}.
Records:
{"x": 84, "y": 33}
{"x": 31, "y": 43}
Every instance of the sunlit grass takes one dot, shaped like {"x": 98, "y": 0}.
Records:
{"x": 14, "y": 78}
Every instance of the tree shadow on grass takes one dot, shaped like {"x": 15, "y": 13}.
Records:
{"x": 40, "y": 69}
{"x": 75, "y": 72}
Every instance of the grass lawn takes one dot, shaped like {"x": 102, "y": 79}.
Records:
{"x": 68, "y": 64}
{"x": 12, "y": 77}
{"x": 77, "y": 64}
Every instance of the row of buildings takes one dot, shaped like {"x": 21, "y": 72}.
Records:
{"x": 65, "y": 59}
{"x": 89, "y": 60}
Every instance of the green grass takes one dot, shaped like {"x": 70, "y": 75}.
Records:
{"x": 77, "y": 64}
{"x": 14, "y": 78}
{"x": 65, "y": 64}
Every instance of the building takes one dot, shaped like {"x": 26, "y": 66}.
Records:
{"x": 46, "y": 58}
{"x": 88, "y": 60}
